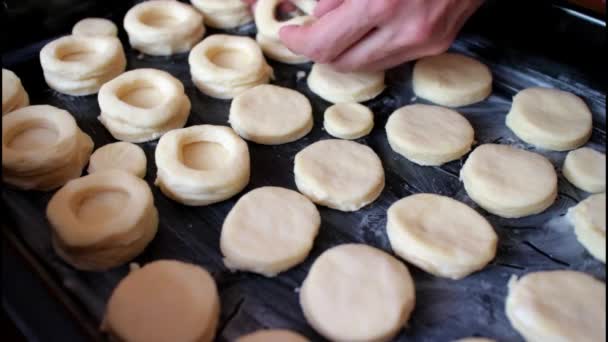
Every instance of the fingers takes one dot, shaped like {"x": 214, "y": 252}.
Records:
{"x": 326, "y": 6}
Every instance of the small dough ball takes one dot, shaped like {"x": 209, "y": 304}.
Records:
{"x": 348, "y": 120}
{"x": 509, "y": 182}
{"x": 339, "y": 174}
{"x": 336, "y": 87}
{"x": 224, "y": 14}
{"x": 429, "y": 135}
{"x": 557, "y": 306}
{"x": 165, "y": 300}
{"x": 122, "y": 156}
{"x": 271, "y": 115}
{"x": 95, "y": 27}
{"x": 272, "y": 336}
{"x": 355, "y": 292}
{"x": 14, "y": 95}
{"x": 452, "y": 80}
{"x": 585, "y": 168}
{"x": 589, "y": 220}
{"x": 440, "y": 235}
{"x": 551, "y": 119}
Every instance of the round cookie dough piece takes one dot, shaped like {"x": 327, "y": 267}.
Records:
{"x": 122, "y": 156}
{"x": 272, "y": 336}
{"x": 440, "y": 235}
{"x": 339, "y": 174}
{"x": 589, "y": 220}
{"x": 336, "y": 87}
{"x": 14, "y": 95}
{"x": 429, "y": 135}
{"x": 271, "y": 115}
{"x": 452, "y": 80}
{"x": 95, "y": 27}
{"x": 348, "y": 120}
{"x": 509, "y": 182}
{"x": 557, "y": 306}
{"x": 551, "y": 119}
{"x": 355, "y": 292}
{"x": 224, "y": 14}
{"x": 165, "y": 300}
{"x": 585, "y": 168}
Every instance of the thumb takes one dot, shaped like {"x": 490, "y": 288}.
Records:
{"x": 293, "y": 38}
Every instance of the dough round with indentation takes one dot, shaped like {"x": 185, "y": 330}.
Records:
{"x": 95, "y": 27}
{"x": 585, "y": 168}
{"x": 165, "y": 300}
{"x": 14, "y": 95}
{"x": 429, "y": 135}
{"x": 557, "y": 306}
{"x": 339, "y": 174}
{"x": 589, "y": 220}
{"x": 122, "y": 156}
{"x": 337, "y": 87}
{"x": 508, "y": 181}
{"x": 348, "y": 120}
{"x": 272, "y": 336}
{"x": 224, "y": 14}
{"x": 440, "y": 235}
{"x": 355, "y": 292}
{"x": 451, "y": 80}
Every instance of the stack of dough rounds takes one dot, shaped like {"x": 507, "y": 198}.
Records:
{"x": 80, "y": 65}
{"x": 42, "y": 148}
{"x": 509, "y": 182}
{"x": 357, "y": 293}
{"x": 272, "y": 336}
{"x": 429, "y": 135}
{"x": 224, "y": 66}
{"x": 122, "y": 156}
{"x": 102, "y": 220}
{"x": 164, "y": 301}
{"x": 271, "y": 115}
{"x": 143, "y": 104}
{"x": 269, "y": 230}
{"x": 452, "y": 80}
{"x": 201, "y": 165}
{"x": 550, "y": 119}
{"x": 95, "y": 27}
{"x": 589, "y": 220}
{"x": 336, "y": 87}
{"x": 339, "y": 174}
{"x": 163, "y": 27}
{"x": 14, "y": 95}
{"x": 224, "y": 14}
{"x": 586, "y": 169}
{"x": 348, "y": 120}
{"x": 440, "y": 235}
{"x": 557, "y": 306}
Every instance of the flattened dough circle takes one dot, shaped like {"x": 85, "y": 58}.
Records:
{"x": 14, "y": 95}
{"x": 223, "y": 14}
{"x": 589, "y": 220}
{"x": 272, "y": 336}
{"x": 120, "y": 155}
{"x": 586, "y": 169}
{"x": 336, "y": 87}
{"x": 348, "y": 120}
{"x": 95, "y": 27}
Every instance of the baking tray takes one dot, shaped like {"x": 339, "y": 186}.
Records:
{"x": 445, "y": 309}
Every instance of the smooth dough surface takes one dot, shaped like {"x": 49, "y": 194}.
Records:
{"x": 14, "y": 95}
{"x": 509, "y": 182}
{"x": 336, "y": 87}
{"x": 585, "y": 168}
{"x": 348, "y": 120}
{"x": 272, "y": 336}
{"x": 120, "y": 155}
{"x": 429, "y": 135}
{"x": 558, "y": 306}
{"x": 551, "y": 119}
{"x": 95, "y": 27}
{"x": 224, "y": 14}
{"x": 452, "y": 80}
{"x": 589, "y": 220}
{"x": 355, "y": 292}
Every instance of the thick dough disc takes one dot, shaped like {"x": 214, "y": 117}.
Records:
{"x": 14, "y": 95}
{"x": 95, "y": 27}
{"x": 121, "y": 155}
{"x": 338, "y": 87}
{"x": 348, "y": 120}
{"x": 586, "y": 169}
{"x": 589, "y": 220}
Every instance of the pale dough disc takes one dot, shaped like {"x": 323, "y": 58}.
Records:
{"x": 165, "y": 300}
{"x": 272, "y": 336}
{"x": 551, "y": 119}
{"x": 271, "y": 115}
{"x": 355, "y": 292}
{"x": 224, "y": 14}
{"x": 452, "y": 80}
{"x": 95, "y": 27}
{"x": 429, "y": 135}
{"x": 348, "y": 120}
{"x": 122, "y": 156}
{"x": 14, "y": 95}
{"x": 440, "y": 235}
{"x": 509, "y": 182}
{"x": 557, "y": 306}
{"x": 586, "y": 169}
{"x": 338, "y": 87}
{"x": 339, "y": 174}
{"x": 589, "y": 220}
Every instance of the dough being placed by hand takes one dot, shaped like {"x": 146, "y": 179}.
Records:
{"x": 348, "y": 120}
{"x": 274, "y": 49}
{"x": 14, "y": 95}
{"x": 589, "y": 220}
{"x": 224, "y": 14}
{"x": 122, "y": 156}
{"x": 95, "y": 27}
{"x": 272, "y": 336}
{"x": 338, "y": 87}
{"x": 585, "y": 168}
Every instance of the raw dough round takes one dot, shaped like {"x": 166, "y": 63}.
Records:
{"x": 42, "y": 148}
{"x": 339, "y": 174}
{"x": 589, "y": 220}
{"x": 348, "y": 120}
{"x": 103, "y": 220}
{"x": 224, "y": 66}
{"x": 14, "y": 95}
{"x": 274, "y": 49}
{"x": 586, "y": 169}
{"x": 452, "y": 80}
{"x": 121, "y": 156}
{"x": 550, "y": 119}
{"x": 429, "y": 135}
{"x": 357, "y": 293}
{"x": 557, "y": 306}
{"x": 269, "y": 230}
{"x": 143, "y": 104}
{"x": 224, "y": 14}
{"x": 165, "y": 300}
{"x": 440, "y": 235}
{"x": 271, "y": 115}
{"x": 509, "y": 182}
{"x": 272, "y": 336}
{"x": 163, "y": 27}
{"x": 95, "y": 27}
{"x": 336, "y": 87}
{"x": 201, "y": 165}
